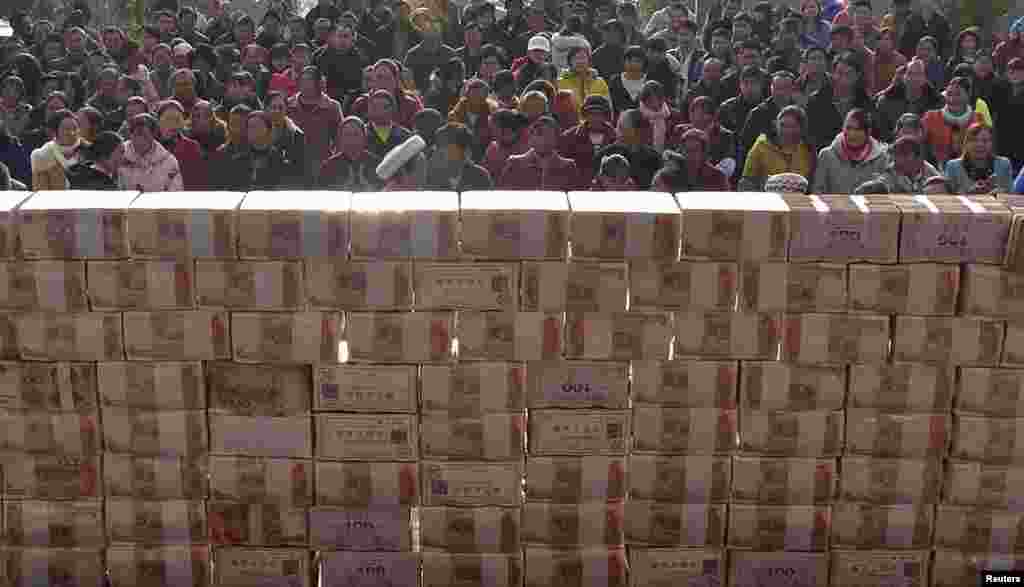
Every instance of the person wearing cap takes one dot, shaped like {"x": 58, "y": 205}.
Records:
{"x": 910, "y": 92}
{"x": 570, "y": 36}
{"x": 582, "y": 142}
{"x": 148, "y": 166}
{"x": 526, "y": 69}
{"x": 450, "y": 167}
{"x": 610, "y": 57}
{"x": 404, "y": 168}
{"x": 541, "y": 167}
{"x": 351, "y": 167}
{"x": 474, "y": 110}
{"x": 509, "y": 140}
{"x": 582, "y": 79}
{"x": 194, "y": 168}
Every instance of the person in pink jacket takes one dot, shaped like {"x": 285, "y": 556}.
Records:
{"x": 148, "y": 166}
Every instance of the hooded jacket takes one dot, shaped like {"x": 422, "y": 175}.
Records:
{"x": 837, "y": 175}
{"x": 156, "y": 171}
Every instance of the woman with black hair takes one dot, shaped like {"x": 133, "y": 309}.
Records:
{"x": 30, "y": 71}
{"x": 51, "y": 161}
{"x": 100, "y": 164}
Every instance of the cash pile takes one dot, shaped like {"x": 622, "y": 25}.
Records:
{"x": 515, "y": 390}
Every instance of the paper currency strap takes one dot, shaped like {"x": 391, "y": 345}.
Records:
{"x": 583, "y": 389}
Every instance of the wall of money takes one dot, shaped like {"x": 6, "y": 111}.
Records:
{"x": 505, "y": 389}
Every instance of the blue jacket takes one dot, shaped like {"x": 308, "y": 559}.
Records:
{"x": 15, "y": 156}
{"x": 961, "y": 184}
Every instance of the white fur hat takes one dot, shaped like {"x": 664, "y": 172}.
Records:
{"x": 399, "y": 156}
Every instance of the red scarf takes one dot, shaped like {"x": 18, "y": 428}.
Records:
{"x": 854, "y": 154}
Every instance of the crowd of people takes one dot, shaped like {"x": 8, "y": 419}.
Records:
{"x": 829, "y": 98}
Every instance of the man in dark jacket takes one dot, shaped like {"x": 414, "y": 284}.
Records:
{"x": 761, "y": 119}
{"x": 909, "y": 93}
{"x": 450, "y": 167}
{"x": 1011, "y": 143}
{"x": 429, "y": 54}
{"x": 827, "y": 108}
{"x": 734, "y": 111}
{"x": 644, "y": 160}
{"x": 609, "y": 58}
{"x": 710, "y": 85}
{"x": 341, "y": 63}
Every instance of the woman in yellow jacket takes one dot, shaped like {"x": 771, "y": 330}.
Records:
{"x": 783, "y": 151}
{"x": 581, "y": 79}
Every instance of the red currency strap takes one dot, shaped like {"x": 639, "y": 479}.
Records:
{"x": 552, "y": 332}
{"x": 792, "y": 335}
{"x": 298, "y": 473}
{"x": 727, "y": 380}
{"x": 727, "y": 421}
{"x": 822, "y": 521}
{"x": 327, "y": 330}
{"x": 439, "y": 340}
{"x": 937, "y": 432}
{"x": 217, "y": 330}
{"x": 616, "y": 473}
{"x": 87, "y": 480}
{"x": 218, "y": 532}
{"x": 823, "y": 473}
{"x": 515, "y": 377}
{"x": 614, "y": 517}
{"x": 182, "y": 279}
{"x": 616, "y": 563}
{"x": 952, "y": 279}
{"x": 726, "y": 278}
{"x": 407, "y": 484}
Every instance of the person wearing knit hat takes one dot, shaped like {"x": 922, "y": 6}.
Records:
{"x": 403, "y": 168}
{"x": 181, "y": 54}
{"x": 450, "y": 167}
{"x": 533, "y": 105}
{"x": 787, "y": 183}
{"x": 582, "y": 142}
